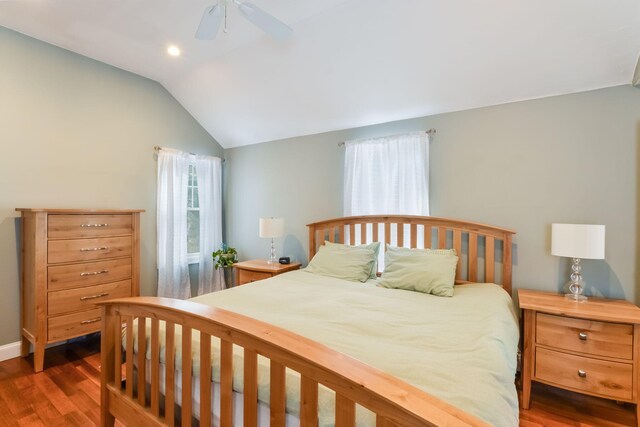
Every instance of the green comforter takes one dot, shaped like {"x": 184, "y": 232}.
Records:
{"x": 461, "y": 349}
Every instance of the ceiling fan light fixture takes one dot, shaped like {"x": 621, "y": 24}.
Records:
{"x": 214, "y": 15}
{"x": 266, "y": 22}
{"x": 211, "y": 21}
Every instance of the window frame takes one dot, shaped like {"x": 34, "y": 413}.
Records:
{"x": 193, "y": 257}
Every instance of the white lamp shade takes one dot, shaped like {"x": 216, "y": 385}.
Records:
{"x": 271, "y": 227}
{"x": 577, "y": 240}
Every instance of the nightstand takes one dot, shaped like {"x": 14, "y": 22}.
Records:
{"x": 257, "y": 269}
{"x": 591, "y": 347}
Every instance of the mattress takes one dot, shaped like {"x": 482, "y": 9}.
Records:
{"x": 460, "y": 349}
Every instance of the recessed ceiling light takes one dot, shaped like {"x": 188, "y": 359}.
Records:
{"x": 173, "y": 50}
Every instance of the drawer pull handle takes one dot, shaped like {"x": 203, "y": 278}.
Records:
{"x": 94, "y": 225}
{"x": 104, "y": 294}
{"x": 582, "y": 336}
{"x": 582, "y": 374}
{"x": 94, "y": 273}
{"x": 101, "y": 248}
{"x": 86, "y": 322}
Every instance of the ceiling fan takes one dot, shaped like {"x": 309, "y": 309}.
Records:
{"x": 214, "y": 15}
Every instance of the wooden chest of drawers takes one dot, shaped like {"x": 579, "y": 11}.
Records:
{"x": 70, "y": 260}
{"x": 590, "y": 347}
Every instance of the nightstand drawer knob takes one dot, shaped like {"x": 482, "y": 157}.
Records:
{"x": 582, "y": 374}
{"x": 582, "y": 336}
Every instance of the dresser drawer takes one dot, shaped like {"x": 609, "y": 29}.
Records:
{"x": 83, "y": 226}
{"x": 247, "y": 276}
{"x": 603, "y": 378}
{"x": 88, "y": 249}
{"x": 585, "y": 336}
{"x": 89, "y": 273}
{"x": 69, "y": 300}
{"x": 73, "y": 325}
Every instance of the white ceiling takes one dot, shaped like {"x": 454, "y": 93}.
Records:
{"x": 350, "y": 62}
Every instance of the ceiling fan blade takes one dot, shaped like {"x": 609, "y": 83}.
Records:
{"x": 210, "y": 22}
{"x": 267, "y": 23}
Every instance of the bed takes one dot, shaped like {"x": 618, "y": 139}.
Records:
{"x": 303, "y": 349}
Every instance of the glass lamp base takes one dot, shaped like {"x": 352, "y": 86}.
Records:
{"x": 576, "y": 297}
{"x": 272, "y": 259}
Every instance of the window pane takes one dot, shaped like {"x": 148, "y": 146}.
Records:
{"x": 193, "y": 232}
{"x": 190, "y": 175}
{"x": 190, "y": 197}
{"x": 196, "y": 200}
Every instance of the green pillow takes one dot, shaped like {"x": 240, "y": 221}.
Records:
{"x": 399, "y": 250}
{"x": 420, "y": 271}
{"x": 353, "y": 264}
{"x": 375, "y": 247}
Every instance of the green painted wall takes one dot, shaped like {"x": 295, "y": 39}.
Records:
{"x": 76, "y": 133}
{"x": 571, "y": 158}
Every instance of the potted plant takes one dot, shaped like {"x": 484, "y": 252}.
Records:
{"x": 224, "y": 258}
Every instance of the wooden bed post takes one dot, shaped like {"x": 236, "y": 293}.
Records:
{"x": 107, "y": 360}
{"x": 507, "y": 260}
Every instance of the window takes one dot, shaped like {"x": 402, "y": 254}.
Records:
{"x": 193, "y": 217}
{"x": 388, "y": 175}
{"x": 189, "y": 221}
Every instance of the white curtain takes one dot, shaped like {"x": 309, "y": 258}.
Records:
{"x": 209, "y": 173}
{"x": 173, "y": 268}
{"x": 388, "y": 175}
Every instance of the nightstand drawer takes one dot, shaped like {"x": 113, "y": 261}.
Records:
{"x": 247, "y": 276}
{"x": 599, "y": 377}
{"x": 585, "y": 336}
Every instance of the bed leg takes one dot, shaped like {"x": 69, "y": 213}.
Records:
{"x": 106, "y": 419}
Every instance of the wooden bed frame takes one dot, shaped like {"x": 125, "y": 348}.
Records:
{"x": 393, "y": 401}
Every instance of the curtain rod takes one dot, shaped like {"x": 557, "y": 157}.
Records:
{"x": 157, "y": 148}
{"x": 429, "y": 132}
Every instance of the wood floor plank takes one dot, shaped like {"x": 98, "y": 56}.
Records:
{"x": 30, "y": 421}
{"x": 61, "y": 401}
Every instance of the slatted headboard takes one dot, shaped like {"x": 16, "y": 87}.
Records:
{"x": 484, "y": 251}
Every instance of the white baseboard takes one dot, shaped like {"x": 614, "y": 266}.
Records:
{"x": 12, "y": 350}
{"x": 9, "y": 351}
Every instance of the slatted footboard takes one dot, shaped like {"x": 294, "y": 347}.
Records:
{"x": 393, "y": 401}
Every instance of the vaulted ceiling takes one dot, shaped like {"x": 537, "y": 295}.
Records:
{"x": 350, "y": 62}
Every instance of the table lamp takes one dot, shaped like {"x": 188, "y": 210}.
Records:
{"x": 577, "y": 241}
{"x": 271, "y": 228}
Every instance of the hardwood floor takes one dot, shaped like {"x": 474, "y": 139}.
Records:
{"x": 553, "y": 407}
{"x": 67, "y": 393}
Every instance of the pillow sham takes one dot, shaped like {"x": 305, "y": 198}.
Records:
{"x": 421, "y": 271}
{"x": 375, "y": 247}
{"x": 354, "y": 264}
{"x": 402, "y": 250}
